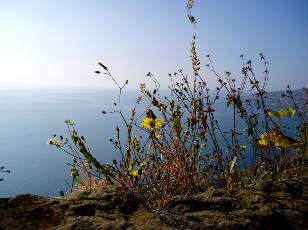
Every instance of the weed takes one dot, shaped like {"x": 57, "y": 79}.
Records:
{"x": 183, "y": 148}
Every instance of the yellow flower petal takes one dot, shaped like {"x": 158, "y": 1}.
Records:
{"x": 273, "y": 139}
{"x": 152, "y": 124}
{"x": 134, "y": 173}
{"x": 289, "y": 112}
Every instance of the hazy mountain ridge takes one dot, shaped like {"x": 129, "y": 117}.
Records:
{"x": 283, "y": 99}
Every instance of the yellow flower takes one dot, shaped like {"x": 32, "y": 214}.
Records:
{"x": 134, "y": 173}
{"x": 276, "y": 139}
{"x": 282, "y": 113}
{"x": 152, "y": 124}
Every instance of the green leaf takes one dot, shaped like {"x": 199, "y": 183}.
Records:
{"x": 304, "y": 133}
{"x": 76, "y": 180}
{"x": 69, "y": 122}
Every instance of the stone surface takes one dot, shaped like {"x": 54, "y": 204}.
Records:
{"x": 279, "y": 205}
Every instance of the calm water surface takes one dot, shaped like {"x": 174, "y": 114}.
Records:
{"x": 29, "y": 117}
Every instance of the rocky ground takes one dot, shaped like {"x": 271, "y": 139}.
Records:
{"x": 279, "y": 205}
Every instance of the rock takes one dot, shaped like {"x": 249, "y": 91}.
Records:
{"x": 109, "y": 208}
{"x": 279, "y": 205}
{"x": 273, "y": 205}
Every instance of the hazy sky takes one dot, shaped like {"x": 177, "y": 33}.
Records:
{"x": 57, "y": 43}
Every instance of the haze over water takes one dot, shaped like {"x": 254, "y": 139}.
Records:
{"x": 29, "y": 117}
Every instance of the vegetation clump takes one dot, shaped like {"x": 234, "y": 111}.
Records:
{"x": 177, "y": 146}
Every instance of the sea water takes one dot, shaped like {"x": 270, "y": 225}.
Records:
{"x": 27, "y": 120}
{"x": 28, "y": 117}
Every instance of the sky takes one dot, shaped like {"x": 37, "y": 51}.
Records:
{"x": 58, "y": 43}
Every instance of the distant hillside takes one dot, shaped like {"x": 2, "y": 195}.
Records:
{"x": 282, "y": 99}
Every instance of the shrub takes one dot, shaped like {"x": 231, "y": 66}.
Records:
{"x": 183, "y": 148}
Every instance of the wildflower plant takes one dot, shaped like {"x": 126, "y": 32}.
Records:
{"x": 177, "y": 146}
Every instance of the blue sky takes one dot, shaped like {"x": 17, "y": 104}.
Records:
{"x": 57, "y": 43}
